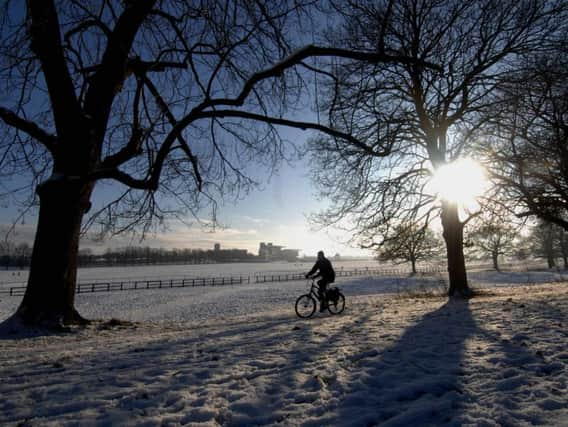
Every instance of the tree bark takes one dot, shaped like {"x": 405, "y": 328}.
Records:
{"x": 49, "y": 299}
{"x": 453, "y": 236}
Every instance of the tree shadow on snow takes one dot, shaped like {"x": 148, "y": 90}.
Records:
{"x": 423, "y": 379}
{"x": 417, "y": 381}
{"x": 263, "y": 371}
{"x": 523, "y": 381}
{"x": 13, "y": 329}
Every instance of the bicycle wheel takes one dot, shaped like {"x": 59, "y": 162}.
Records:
{"x": 305, "y": 306}
{"x": 337, "y": 305}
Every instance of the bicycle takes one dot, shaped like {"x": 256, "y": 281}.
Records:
{"x": 306, "y": 304}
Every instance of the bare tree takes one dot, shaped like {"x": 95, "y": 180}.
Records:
{"x": 527, "y": 146}
{"x": 544, "y": 242}
{"x": 551, "y": 242}
{"x": 408, "y": 243}
{"x": 171, "y": 100}
{"x": 415, "y": 120}
{"x": 563, "y": 245}
{"x": 494, "y": 237}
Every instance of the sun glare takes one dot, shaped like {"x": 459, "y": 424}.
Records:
{"x": 461, "y": 182}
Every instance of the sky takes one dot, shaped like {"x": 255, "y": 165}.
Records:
{"x": 277, "y": 213}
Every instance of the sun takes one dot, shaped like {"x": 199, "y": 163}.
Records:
{"x": 462, "y": 182}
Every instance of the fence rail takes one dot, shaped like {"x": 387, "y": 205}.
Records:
{"x": 133, "y": 285}
{"x": 287, "y": 277}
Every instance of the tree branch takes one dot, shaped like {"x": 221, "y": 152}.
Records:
{"x": 109, "y": 77}
{"x": 295, "y": 124}
{"x": 46, "y": 44}
{"x": 124, "y": 178}
{"x": 309, "y": 52}
{"x": 134, "y": 144}
{"x": 183, "y": 143}
{"x": 202, "y": 112}
{"x": 32, "y": 129}
{"x": 85, "y": 25}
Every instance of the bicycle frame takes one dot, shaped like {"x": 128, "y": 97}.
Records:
{"x": 314, "y": 289}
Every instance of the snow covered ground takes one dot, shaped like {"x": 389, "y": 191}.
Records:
{"x": 172, "y": 271}
{"x": 238, "y": 356}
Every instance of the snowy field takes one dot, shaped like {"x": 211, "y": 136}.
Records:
{"x": 151, "y": 272}
{"x": 238, "y": 356}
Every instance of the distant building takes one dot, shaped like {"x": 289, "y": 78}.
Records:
{"x": 229, "y": 255}
{"x": 290, "y": 254}
{"x": 270, "y": 252}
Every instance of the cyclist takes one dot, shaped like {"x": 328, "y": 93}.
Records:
{"x": 325, "y": 271}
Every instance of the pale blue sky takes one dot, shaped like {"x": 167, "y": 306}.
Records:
{"x": 277, "y": 213}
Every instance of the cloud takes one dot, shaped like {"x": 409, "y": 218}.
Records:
{"x": 19, "y": 234}
{"x": 256, "y": 221}
{"x": 248, "y": 236}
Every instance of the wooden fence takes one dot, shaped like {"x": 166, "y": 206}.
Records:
{"x": 287, "y": 277}
{"x": 133, "y": 285}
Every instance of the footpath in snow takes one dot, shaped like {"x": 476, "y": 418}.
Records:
{"x": 389, "y": 360}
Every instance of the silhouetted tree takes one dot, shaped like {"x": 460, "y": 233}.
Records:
{"x": 562, "y": 239}
{"x": 413, "y": 119}
{"x": 152, "y": 96}
{"x": 527, "y": 146}
{"x": 544, "y": 240}
{"x": 409, "y": 243}
{"x": 547, "y": 241}
{"x": 494, "y": 237}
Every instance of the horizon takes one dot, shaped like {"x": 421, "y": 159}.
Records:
{"x": 278, "y": 211}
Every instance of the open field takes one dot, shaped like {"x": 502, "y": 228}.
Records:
{"x": 149, "y": 272}
{"x": 239, "y": 357}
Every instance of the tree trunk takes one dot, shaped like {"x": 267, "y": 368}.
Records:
{"x": 495, "y": 257}
{"x": 413, "y": 263}
{"x": 549, "y": 247}
{"x": 551, "y": 261}
{"x": 453, "y": 236}
{"x": 50, "y": 294}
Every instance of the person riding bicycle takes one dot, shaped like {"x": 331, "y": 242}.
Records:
{"x": 323, "y": 265}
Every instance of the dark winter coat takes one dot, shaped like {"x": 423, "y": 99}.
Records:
{"x": 325, "y": 270}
